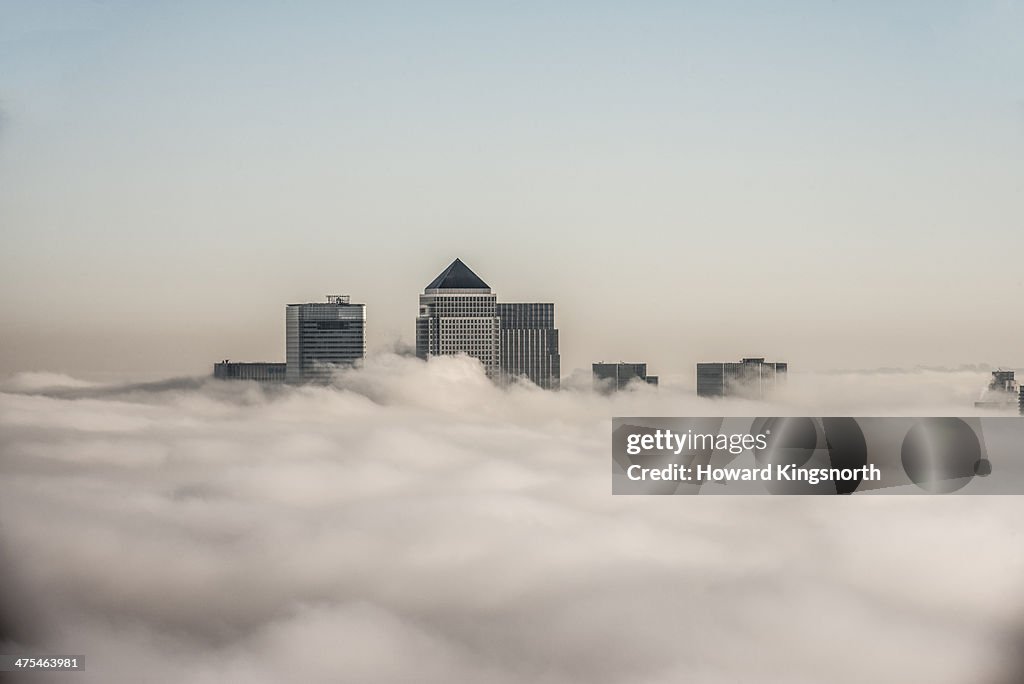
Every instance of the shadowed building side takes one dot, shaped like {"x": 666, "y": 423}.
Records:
{"x": 529, "y": 343}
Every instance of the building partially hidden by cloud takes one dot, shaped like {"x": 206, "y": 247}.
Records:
{"x": 459, "y": 314}
{"x": 610, "y": 377}
{"x": 259, "y": 371}
{"x": 1001, "y": 392}
{"x": 322, "y": 336}
{"x": 529, "y": 344}
{"x": 751, "y": 378}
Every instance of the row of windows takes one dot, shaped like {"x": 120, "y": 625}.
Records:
{"x": 441, "y": 299}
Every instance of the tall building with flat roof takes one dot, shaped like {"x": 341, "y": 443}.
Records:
{"x": 458, "y": 315}
{"x": 752, "y": 378}
{"x": 529, "y": 343}
{"x": 322, "y": 336}
{"x": 616, "y": 376}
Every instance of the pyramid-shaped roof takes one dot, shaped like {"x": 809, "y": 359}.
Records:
{"x": 458, "y": 276}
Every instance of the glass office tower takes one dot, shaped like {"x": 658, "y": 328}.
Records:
{"x": 751, "y": 378}
{"x": 529, "y": 343}
{"x": 609, "y": 377}
{"x": 320, "y": 337}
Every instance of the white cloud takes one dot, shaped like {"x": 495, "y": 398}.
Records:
{"x": 416, "y": 523}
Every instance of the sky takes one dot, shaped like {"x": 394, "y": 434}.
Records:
{"x": 414, "y": 522}
{"x": 836, "y": 185}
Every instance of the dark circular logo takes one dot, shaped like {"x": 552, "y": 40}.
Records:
{"x": 941, "y": 455}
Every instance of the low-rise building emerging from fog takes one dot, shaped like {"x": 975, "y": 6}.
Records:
{"x": 609, "y": 377}
{"x": 260, "y": 371}
{"x": 1001, "y": 393}
{"x": 751, "y": 378}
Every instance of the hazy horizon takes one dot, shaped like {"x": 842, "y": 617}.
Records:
{"x": 833, "y": 185}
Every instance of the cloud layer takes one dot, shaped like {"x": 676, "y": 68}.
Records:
{"x": 416, "y": 523}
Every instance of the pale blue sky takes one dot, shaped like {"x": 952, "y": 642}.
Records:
{"x": 836, "y": 184}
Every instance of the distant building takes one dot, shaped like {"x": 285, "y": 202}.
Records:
{"x": 752, "y": 378}
{"x": 1020, "y": 401}
{"x": 322, "y": 336}
{"x": 529, "y": 343}
{"x": 458, "y": 315}
{"x": 1003, "y": 381}
{"x": 617, "y": 376}
{"x": 260, "y": 371}
{"x": 1001, "y": 392}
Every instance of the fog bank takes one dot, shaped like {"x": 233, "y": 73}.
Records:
{"x": 416, "y": 523}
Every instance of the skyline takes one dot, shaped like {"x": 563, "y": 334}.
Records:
{"x": 554, "y": 239}
{"x": 834, "y": 185}
{"x": 405, "y": 345}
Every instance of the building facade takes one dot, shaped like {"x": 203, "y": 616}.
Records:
{"x": 260, "y": 371}
{"x": 529, "y": 344}
{"x": 458, "y": 315}
{"x": 751, "y": 378}
{"x": 1001, "y": 393}
{"x": 322, "y": 336}
{"x": 617, "y": 376}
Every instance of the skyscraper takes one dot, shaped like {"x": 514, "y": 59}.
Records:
{"x": 529, "y": 343}
{"x": 320, "y": 336}
{"x": 752, "y": 378}
{"x": 458, "y": 314}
